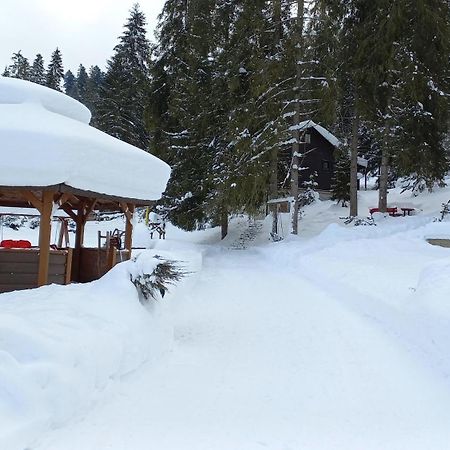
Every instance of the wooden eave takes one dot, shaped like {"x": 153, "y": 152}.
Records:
{"x": 13, "y": 196}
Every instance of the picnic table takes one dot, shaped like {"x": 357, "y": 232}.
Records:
{"x": 407, "y": 211}
{"x": 393, "y": 211}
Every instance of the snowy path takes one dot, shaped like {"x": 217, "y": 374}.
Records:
{"x": 266, "y": 359}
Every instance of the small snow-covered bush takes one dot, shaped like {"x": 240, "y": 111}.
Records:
{"x": 309, "y": 195}
{"x": 359, "y": 221}
{"x": 444, "y": 213}
{"x": 152, "y": 276}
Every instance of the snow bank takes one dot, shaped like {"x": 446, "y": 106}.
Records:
{"x": 62, "y": 347}
{"x": 433, "y": 288}
{"x": 46, "y": 140}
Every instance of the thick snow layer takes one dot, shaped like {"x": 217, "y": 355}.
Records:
{"x": 63, "y": 347}
{"x": 16, "y": 92}
{"x": 325, "y": 344}
{"x": 335, "y": 340}
{"x": 45, "y": 140}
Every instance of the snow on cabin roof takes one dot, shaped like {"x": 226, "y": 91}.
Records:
{"x": 331, "y": 138}
{"x": 46, "y": 140}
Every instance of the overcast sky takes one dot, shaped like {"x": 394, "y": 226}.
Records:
{"x": 85, "y": 31}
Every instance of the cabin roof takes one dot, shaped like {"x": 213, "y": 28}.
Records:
{"x": 331, "y": 138}
{"x": 46, "y": 141}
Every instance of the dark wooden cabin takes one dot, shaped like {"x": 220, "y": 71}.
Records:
{"x": 317, "y": 147}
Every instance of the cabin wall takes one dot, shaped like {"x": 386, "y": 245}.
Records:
{"x": 319, "y": 157}
{"x": 19, "y": 268}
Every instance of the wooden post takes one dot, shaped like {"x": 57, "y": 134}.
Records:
{"x": 45, "y": 229}
{"x": 129, "y": 229}
{"x": 110, "y": 257}
{"x": 68, "y": 276}
{"x": 79, "y": 233}
{"x": 79, "y": 237}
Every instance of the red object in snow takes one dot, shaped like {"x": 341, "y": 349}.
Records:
{"x": 10, "y": 243}
{"x": 391, "y": 211}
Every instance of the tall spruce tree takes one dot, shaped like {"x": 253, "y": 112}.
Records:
{"x": 175, "y": 116}
{"x": 422, "y": 107}
{"x": 124, "y": 93}
{"x": 37, "y": 72}
{"x": 20, "y": 67}
{"x": 55, "y": 71}
{"x": 70, "y": 84}
{"x": 94, "y": 90}
{"x": 82, "y": 85}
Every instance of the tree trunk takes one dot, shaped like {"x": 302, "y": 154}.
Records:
{"x": 384, "y": 168}
{"x": 354, "y": 166}
{"x": 224, "y": 222}
{"x": 273, "y": 188}
{"x": 294, "y": 178}
{"x": 383, "y": 188}
{"x": 296, "y": 144}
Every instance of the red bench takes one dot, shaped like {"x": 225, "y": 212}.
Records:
{"x": 10, "y": 243}
{"x": 391, "y": 211}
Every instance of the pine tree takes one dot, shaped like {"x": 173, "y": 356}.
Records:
{"x": 20, "y": 67}
{"x": 341, "y": 183}
{"x": 401, "y": 78}
{"x": 82, "y": 85}
{"x": 94, "y": 89}
{"x": 177, "y": 114}
{"x": 70, "y": 84}
{"x": 422, "y": 112}
{"x": 37, "y": 73}
{"x": 124, "y": 93}
{"x": 6, "y": 72}
{"x": 55, "y": 71}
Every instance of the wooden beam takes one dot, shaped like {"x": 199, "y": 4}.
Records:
{"x": 126, "y": 210}
{"x": 33, "y": 200}
{"x": 45, "y": 228}
{"x": 108, "y": 201}
{"x": 64, "y": 198}
{"x": 89, "y": 206}
{"x": 129, "y": 230}
{"x": 69, "y": 212}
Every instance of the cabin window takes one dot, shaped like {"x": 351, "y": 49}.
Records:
{"x": 326, "y": 166}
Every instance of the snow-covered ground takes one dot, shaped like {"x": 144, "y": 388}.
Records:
{"x": 337, "y": 339}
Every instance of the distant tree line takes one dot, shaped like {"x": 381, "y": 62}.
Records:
{"x": 221, "y": 92}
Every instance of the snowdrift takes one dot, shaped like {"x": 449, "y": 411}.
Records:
{"x": 61, "y": 347}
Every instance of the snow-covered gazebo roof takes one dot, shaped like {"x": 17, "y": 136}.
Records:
{"x": 46, "y": 141}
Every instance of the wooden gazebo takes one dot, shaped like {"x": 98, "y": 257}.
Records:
{"x": 52, "y": 159}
